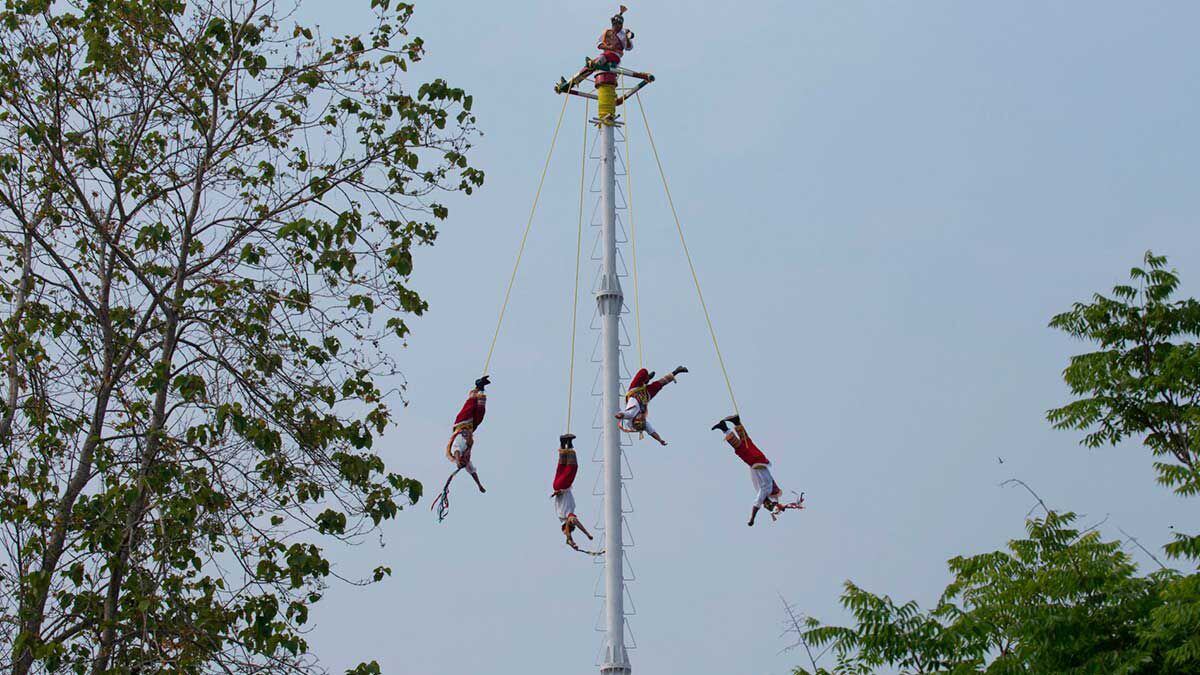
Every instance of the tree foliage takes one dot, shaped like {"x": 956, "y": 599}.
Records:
{"x": 1064, "y": 600}
{"x": 207, "y": 219}
{"x": 1143, "y": 382}
{"x": 1059, "y": 600}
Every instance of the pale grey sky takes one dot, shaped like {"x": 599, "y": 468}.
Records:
{"x": 886, "y": 203}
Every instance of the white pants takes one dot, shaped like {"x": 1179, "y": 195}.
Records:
{"x": 458, "y": 449}
{"x": 632, "y": 409}
{"x": 764, "y": 484}
{"x": 564, "y": 504}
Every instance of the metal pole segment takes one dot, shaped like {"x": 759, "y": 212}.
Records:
{"x": 609, "y": 300}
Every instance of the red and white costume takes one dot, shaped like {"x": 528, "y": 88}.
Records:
{"x": 564, "y": 478}
{"x": 637, "y": 398}
{"x": 613, "y": 44}
{"x": 760, "y": 467}
{"x": 460, "y": 451}
{"x": 468, "y": 420}
{"x": 472, "y": 411}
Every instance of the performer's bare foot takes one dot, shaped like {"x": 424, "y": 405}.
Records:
{"x": 481, "y": 488}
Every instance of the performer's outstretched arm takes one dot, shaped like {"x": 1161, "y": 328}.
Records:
{"x": 651, "y": 430}
{"x": 579, "y": 524}
{"x": 476, "y": 477}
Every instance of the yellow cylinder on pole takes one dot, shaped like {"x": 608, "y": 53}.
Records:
{"x": 607, "y": 94}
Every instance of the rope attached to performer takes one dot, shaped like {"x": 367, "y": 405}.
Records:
{"x": 687, "y": 254}
{"x": 524, "y": 237}
{"x": 578, "y": 256}
{"x": 637, "y": 295}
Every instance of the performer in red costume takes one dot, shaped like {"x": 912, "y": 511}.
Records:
{"x": 564, "y": 499}
{"x": 613, "y": 44}
{"x": 768, "y": 491}
{"x": 462, "y": 438}
{"x": 637, "y": 401}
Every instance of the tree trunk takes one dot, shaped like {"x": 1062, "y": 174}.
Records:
{"x": 14, "y": 375}
{"x": 35, "y": 611}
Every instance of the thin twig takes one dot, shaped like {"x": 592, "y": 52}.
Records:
{"x": 800, "y": 640}
{"x": 1018, "y": 481}
{"x": 1138, "y": 544}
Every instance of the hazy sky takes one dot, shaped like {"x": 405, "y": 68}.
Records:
{"x": 886, "y": 202}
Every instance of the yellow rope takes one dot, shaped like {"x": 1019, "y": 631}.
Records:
{"x": 637, "y": 296}
{"x": 695, "y": 278}
{"x": 578, "y": 254}
{"x": 521, "y": 251}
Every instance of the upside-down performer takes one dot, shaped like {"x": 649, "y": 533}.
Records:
{"x": 564, "y": 499}
{"x": 642, "y": 388}
{"x": 613, "y": 44}
{"x": 768, "y": 492}
{"x": 462, "y": 437}
{"x": 462, "y": 441}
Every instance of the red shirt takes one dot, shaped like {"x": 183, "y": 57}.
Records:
{"x": 750, "y": 454}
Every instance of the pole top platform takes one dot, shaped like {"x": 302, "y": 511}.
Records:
{"x": 571, "y": 88}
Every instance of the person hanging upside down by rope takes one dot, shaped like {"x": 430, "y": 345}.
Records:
{"x": 768, "y": 492}
{"x": 613, "y": 44}
{"x": 637, "y": 401}
{"x": 462, "y": 439}
{"x": 564, "y": 499}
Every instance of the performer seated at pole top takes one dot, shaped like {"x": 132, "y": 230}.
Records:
{"x": 760, "y": 471}
{"x": 613, "y": 44}
{"x": 637, "y": 401}
{"x": 564, "y": 499}
{"x": 462, "y": 439}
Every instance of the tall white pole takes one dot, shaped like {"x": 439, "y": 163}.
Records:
{"x": 609, "y": 299}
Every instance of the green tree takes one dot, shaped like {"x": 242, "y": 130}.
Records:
{"x": 207, "y": 218}
{"x": 1059, "y": 600}
{"x": 1143, "y": 383}
{"x": 1064, "y": 600}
